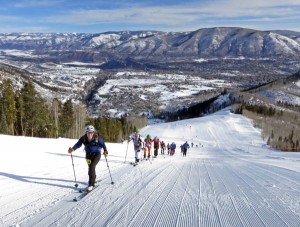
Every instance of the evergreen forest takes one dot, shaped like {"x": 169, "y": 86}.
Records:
{"x": 26, "y": 113}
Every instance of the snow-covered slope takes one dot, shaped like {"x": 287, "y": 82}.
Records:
{"x": 229, "y": 178}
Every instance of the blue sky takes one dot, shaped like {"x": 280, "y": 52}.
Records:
{"x": 95, "y": 16}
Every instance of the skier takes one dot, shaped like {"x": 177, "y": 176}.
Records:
{"x": 138, "y": 144}
{"x": 172, "y": 147}
{"x": 162, "y": 147}
{"x": 185, "y": 147}
{"x": 156, "y": 146}
{"x": 92, "y": 146}
{"x": 168, "y": 148}
{"x": 147, "y": 146}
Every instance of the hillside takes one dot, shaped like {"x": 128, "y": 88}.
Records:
{"x": 229, "y": 178}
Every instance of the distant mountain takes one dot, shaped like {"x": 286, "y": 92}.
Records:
{"x": 217, "y": 42}
{"x": 110, "y": 71}
{"x": 288, "y": 33}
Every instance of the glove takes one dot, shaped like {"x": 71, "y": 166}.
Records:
{"x": 70, "y": 150}
{"x": 105, "y": 153}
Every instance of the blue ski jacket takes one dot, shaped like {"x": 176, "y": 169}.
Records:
{"x": 94, "y": 146}
{"x": 173, "y": 146}
{"x": 186, "y": 146}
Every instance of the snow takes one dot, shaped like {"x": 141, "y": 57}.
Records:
{"x": 230, "y": 179}
{"x": 282, "y": 96}
{"x": 106, "y": 38}
{"x": 161, "y": 84}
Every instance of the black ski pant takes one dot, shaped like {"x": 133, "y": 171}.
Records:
{"x": 184, "y": 151}
{"x": 155, "y": 151}
{"x": 92, "y": 159}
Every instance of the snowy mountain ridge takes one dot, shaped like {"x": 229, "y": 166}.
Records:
{"x": 206, "y": 42}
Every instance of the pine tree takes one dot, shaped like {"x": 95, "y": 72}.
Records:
{"x": 80, "y": 120}
{"x": 55, "y": 113}
{"x": 20, "y": 128}
{"x": 28, "y": 95}
{"x": 9, "y": 105}
{"x": 36, "y": 113}
{"x": 66, "y": 119}
{"x": 272, "y": 134}
{"x": 3, "y": 125}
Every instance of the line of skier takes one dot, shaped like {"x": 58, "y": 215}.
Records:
{"x": 93, "y": 144}
{"x": 145, "y": 145}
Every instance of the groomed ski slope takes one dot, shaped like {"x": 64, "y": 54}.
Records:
{"x": 230, "y": 179}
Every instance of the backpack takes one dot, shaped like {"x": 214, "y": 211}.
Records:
{"x": 138, "y": 142}
{"x": 156, "y": 142}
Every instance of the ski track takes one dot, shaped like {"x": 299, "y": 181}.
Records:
{"x": 46, "y": 197}
{"x": 163, "y": 214}
{"x": 198, "y": 186}
{"x": 149, "y": 208}
{"x": 242, "y": 200}
{"x": 106, "y": 212}
{"x": 282, "y": 195}
{"x": 214, "y": 196}
{"x": 261, "y": 205}
{"x": 281, "y": 187}
{"x": 268, "y": 201}
{"x": 62, "y": 209}
{"x": 225, "y": 201}
{"x": 161, "y": 201}
{"x": 181, "y": 219}
{"x": 111, "y": 215}
{"x": 139, "y": 196}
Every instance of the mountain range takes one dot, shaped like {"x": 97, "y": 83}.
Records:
{"x": 92, "y": 66}
{"x": 216, "y": 42}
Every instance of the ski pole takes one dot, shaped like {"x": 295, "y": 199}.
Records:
{"x": 109, "y": 170}
{"x": 76, "y": 185}
{"x": 126, "y": 152}
{"x": 151, "y": 157}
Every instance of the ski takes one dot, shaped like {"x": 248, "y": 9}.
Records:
{"x": 133, "y": 163}
{"x": 83, "y": 194}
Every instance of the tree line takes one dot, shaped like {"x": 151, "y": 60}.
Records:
{"x": 280, "y": 128}
{"x": 26, "y": 113}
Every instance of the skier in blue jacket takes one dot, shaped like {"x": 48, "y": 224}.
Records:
{"x": 92, "y": 146}
{"x": 172, "y": 147}
{"x": 185, "y": 147}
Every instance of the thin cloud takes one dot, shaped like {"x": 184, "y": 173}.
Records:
{"x": 99, "y": 15}
{"x": 154, "y": 15}
{"x": 170, "y": 15}
{"x": 36, "y": 3}
{"x": 10, "y": 18}
{"x": 33, "y": 29}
